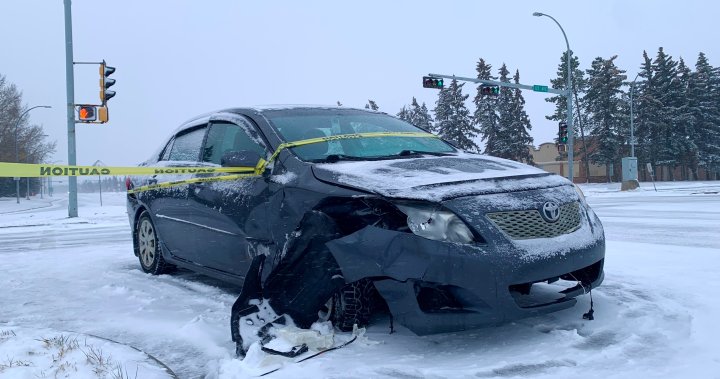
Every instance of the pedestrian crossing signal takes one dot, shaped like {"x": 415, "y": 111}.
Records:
{"x": 87, "y": 113}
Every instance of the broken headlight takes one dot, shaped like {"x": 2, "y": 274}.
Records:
{"x": 436, "y": 224}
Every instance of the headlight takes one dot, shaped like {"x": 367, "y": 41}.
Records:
{"x": 580, "y": 193}
{"x": 436, "y": 224}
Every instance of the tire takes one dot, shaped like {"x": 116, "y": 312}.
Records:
{"x": 148, "y": 248}
{"x": 353, "y": 305}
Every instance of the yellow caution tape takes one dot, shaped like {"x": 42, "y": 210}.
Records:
{"x": 9, "y": 170}
{"x": 190, "y": 181}
{"x": 309, "y": 141}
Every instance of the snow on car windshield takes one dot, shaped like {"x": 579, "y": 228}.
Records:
{"x": 301, "y": 124}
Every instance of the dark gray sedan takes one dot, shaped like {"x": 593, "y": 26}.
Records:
{"x": 335, "y": 212}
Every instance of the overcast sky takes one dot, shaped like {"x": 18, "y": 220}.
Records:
{"x": 177, "y": 59}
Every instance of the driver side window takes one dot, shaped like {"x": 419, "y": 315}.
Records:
{"x": 225, "y": 137}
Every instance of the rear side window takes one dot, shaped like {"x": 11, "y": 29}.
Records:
{"x": 225, "y": 137}
{"x": 165, "y": 156}
{"x": 187, "y": 145}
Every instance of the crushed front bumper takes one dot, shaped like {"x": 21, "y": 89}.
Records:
{"x": 435, "y": 287}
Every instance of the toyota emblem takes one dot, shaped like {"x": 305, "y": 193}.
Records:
{"x": 550, "y": 211}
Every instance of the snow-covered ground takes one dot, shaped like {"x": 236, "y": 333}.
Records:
{"x": 655, "y": 314}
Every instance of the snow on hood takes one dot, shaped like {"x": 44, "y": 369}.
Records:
{"x": 437, "y": 178}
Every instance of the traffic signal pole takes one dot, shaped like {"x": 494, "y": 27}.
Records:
{"x": 488, "y": 82}
{"x": 70, "y": 86}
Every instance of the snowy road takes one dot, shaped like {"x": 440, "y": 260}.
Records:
{"x": 655, "y": 313}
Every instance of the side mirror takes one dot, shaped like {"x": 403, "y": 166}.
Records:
{"x": 243, "y": 158}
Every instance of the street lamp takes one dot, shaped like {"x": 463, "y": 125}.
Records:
{"x": 632, "y": 118}
{"x": 17, "y": 159}
{"x": 568, "y": 88}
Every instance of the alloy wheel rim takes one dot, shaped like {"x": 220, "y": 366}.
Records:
{"x": 146, "y": 243}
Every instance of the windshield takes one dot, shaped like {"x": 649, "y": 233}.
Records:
{"x": 301, "y": 124}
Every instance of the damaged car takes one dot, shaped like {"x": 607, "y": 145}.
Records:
{"x": 322, "y": 213}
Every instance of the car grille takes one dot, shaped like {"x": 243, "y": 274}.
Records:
{"x": 530, "y": 224}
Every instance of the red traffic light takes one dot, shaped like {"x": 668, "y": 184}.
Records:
{"x": 87, "y": 113}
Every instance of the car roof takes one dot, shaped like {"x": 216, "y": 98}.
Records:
{"x": 263, "y": 108}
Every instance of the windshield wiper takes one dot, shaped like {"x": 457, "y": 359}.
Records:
{"x": 332, "y": 158}
{"x": 404, "y": 153}
{"x": 414, "y": 153}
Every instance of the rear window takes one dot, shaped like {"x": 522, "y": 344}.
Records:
{"x": 187, "y": 145}
{"x": 301, "y": 124}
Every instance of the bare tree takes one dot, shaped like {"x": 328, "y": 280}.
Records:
{"x": 32, "y": 143}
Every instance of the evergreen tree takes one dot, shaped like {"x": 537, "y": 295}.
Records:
{"x": 704, "y": 104}
{"x": 417, "y": 115}
{"x": 486, "y": 116}
{"x": 647, "y": 109}
{"x": 684, "y": 142}
{"x": 453, "y": 117}
{"x": 504, "y": 134}
{"x": 371, "y": 105}
{"x": 404, "y": 114}
{"x": 605, "y": 105}
{"x": 669, "y": 93}
{"x": 521, "y": 141}
{"x": 420, "y": 116}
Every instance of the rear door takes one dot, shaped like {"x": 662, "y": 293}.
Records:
{"x": 225, "y": 212}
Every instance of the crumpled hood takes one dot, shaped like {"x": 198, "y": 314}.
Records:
{"x": 437, "y": 178}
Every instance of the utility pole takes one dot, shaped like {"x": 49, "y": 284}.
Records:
{"x": 70, "y": 85}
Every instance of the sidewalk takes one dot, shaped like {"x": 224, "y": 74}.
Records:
{"x": 9, "y": 204}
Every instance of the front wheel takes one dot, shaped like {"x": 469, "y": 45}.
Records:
{"x": 148, "y": 247}
{"x": 353, "y": 305}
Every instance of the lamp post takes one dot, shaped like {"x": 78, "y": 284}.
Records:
{"x": 632, "y": 118}
{"x": 17, "y": 159}
{"x": 571, "y": 131}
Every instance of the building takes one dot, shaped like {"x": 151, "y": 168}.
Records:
{"x": 548, "y": 158}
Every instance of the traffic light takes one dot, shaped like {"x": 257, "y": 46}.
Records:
{"x": 430, "y": 82}
{"x": 490, "y": 90}
{"x": 87, "y": 113}
{"x": 562, "y": 132}
{"x": 106, "y": 82}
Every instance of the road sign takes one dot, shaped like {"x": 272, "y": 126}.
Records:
{"x": 539, "y": 88}
{"x": 16, "y": 179}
